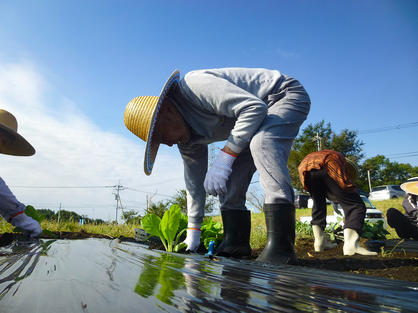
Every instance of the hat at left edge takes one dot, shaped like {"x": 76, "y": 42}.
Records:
{"x": 19, "y": 146}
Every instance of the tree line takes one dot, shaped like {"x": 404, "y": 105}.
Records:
{"x": 67, "y": 216}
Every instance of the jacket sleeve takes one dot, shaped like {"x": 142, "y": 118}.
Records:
{"x": 195, "y": 160}
{"x": 9, "y": 205}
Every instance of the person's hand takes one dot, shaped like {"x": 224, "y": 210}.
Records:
{"x": 216, "y": 177}
{"x": 28, "y": 224}
{"x": 192, "y": 239}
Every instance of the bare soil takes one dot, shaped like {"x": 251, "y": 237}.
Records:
{"x": 395, "y": 265}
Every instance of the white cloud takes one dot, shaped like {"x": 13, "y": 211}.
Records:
{"x": 74, "y": 152}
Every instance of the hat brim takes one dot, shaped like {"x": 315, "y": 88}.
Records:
{"x": 353, "y": 170}
{"x": 151, "y": 148}
{"x": 411, "y": 186}
{"x": 19, "y": 147}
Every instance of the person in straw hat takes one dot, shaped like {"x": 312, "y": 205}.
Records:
{"x": 258, "y": 113}
{"x": 12, "y": 143}
{"x": 406, "y": 225}
{"x": 328, "y": 174}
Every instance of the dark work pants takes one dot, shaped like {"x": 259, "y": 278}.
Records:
{"x": 322, "y": 186}
{"x": 403, "y": 226}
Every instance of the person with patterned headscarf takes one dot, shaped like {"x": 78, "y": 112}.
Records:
{"x": 328, "y": 174}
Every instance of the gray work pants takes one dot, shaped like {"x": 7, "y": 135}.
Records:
{"x": 269, "y": 150}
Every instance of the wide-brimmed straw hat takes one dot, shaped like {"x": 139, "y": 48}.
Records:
{"x": 140, "y": 117}
{"x": 19, "y": 146}
{"x": 353, "y": 170}
{"x": 411, "y": 186}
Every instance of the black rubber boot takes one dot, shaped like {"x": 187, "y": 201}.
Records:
{"x": 280, "y": 222}
{"x": 237, "y": 229}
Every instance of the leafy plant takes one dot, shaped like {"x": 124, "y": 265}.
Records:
{"x": 33, "y": 213}
{"x": 166, "y": 228}
{"x": 374, "y": 231}
{"x": 334, "y": 229}
{"x": 302, "y": 228}
{"x": 211, "y": 231}
{"x": 387, "y": 253}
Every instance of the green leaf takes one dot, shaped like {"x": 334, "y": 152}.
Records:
{"x": 179, "y": 235}
{"x": 208, "y": 240}
{"x": 151, "y": 224}
{"x": 170, "y": 223}
{"x": 183, "y": 222}
{"x": 180, "y": 246}
{"x": 31, "y": 212}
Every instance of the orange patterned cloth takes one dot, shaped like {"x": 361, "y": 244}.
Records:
{"x": 333, "y": 163}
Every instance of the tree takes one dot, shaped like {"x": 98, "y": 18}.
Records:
{"x": 158, "y": 208}
{"x": 132, "y": 217}
{"x": 49, "y": 213}
{"x": 180, "y": 198}
{"x": 67, "y": 216}
{"x": 256, "y": 199}
{"x": 322, "y": 136}
{"x": 384, "y": 172}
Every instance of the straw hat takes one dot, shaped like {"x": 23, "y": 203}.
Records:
{"x": 411, "y": 186}
{"x": 353, "y": 170}
{"x": 140, "y": 117}
{"x": 19, "y": 145}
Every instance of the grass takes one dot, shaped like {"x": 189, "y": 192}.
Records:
{"x": 72, "y": 226}
{"x": 258, "y": 224}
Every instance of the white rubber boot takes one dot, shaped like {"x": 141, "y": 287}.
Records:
{"x": 351, "y": 245}
{"x": 321, "y": 243}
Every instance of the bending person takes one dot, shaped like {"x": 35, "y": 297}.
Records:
{"x": 12, "y": 143}
{"x": 258, "y": 113}
{"x": 406, "y": 225}
{"x": 327, "y": 174}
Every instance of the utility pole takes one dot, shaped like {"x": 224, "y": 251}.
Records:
{"x": 118, "y": 187}
{"x": 149, "y": 201}
{"x": 59, "y": 213}
{"x": 318, "y": 140}
{"x": 370, "y": 185}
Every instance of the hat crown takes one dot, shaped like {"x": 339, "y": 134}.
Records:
{"x": 138, "y": 115}
{"x": 8, "y": 120}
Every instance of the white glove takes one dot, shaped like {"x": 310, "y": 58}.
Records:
{"x": 28, "y": 224}
{"x": 216, "y": 177}
{"x": 192, "y": 239}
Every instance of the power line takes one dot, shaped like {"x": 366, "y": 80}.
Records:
{"x": 382, "y": 129}
{"x": 59, "y": 187}
{"x": 403, "y": 155}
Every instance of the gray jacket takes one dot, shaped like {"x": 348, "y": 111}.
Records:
{"x": 9, "y": 205}
{"x": 220, "y": 104}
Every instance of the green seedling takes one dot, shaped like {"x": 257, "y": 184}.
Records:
{"x": 211, "y": 231}
{"x": 387, "y": 253}
{"x": 33, "y": 213}
{"x": 165, "y": 228}
{"x": 374, "y": 231}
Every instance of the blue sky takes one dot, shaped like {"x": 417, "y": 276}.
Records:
{"x": 68, "y": 69}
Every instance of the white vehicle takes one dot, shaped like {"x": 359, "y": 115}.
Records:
{"x": 372, "y": 214}
{"x": 386, "y": 192}
{"x": 310, "y": 202}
